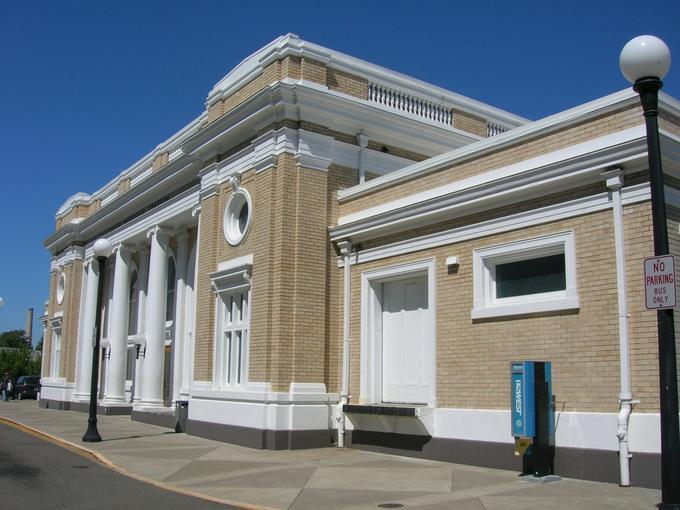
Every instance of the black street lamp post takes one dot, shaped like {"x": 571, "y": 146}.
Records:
{"x": 102, "y": 249}
{"x": 645, "y": 60}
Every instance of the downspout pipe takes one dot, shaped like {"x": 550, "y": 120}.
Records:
{"x": 614, "y": 181}
{"x": 362, "y": 141}
{"x": 346, "y": 252}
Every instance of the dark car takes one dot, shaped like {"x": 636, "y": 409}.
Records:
{"x": 27, "y": 386}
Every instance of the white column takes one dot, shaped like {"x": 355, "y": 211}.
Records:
{"x": 152, "y": 388}
{"x": 83, "y": 342}
{"x": 118, "y": 328}
{"x": 84, "y": 374}
{"x": 178, "y": 348}
{"x": 142, "y": 284}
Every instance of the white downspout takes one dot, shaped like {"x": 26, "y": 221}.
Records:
{"x": 346, "y": 251}
{"x": 362, "y": 140}
{"x": 614, "y": 180}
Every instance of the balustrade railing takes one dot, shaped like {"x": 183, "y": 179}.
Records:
{"x": 174, "y": 154}
{"x": 399, "y": 100}
{"x": 494, "y": 129}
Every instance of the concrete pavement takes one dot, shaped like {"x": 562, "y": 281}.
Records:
{"x": 317, "y": 479}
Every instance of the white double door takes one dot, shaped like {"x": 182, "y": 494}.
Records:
{"x": 406, "y": 331}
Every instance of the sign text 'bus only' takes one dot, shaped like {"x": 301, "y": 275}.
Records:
{"x": 660, "y": 282}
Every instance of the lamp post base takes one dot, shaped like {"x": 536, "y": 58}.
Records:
{"x": 92, "y": 434}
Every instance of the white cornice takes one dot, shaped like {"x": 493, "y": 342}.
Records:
{"x": 291, "y": 45}
{"x": 67, "y": 257}
{"x": 559, "y": 170}
{"x": 540, "y": 216}
{"x": 607, "y": 104}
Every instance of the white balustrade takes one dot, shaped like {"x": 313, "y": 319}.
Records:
{"x": 494, "y": 129}
{"x": 420, "y": 107}
{"x": 408, "y": 103}
{"x": 175, "y": 153}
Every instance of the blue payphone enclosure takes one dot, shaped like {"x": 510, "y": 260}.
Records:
{"x": 523, "y": 398}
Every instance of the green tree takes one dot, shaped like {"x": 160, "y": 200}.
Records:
{"x": 15, "y": 361}
{"x": 15, "y": 339}
{"x": 16, "y": 355}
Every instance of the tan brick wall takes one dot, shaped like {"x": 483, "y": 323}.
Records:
{"x": 123, "y": 186}
{"x": 313, "y": 70}
{"x": 294, "y": 288}
{"x": 468, "y": 122}
{"x": 338, "y": 178}
{"x": 346, "y": 83}
{"x": 160, "y": 161}
{"x": 276, "y": 71}
{"x": 473, "y": 357}
{"x": 542, "y": 144}
{"x": 205, "y": 300}
{"x": 71, "y": 307}
{"x": 673, "y": 224}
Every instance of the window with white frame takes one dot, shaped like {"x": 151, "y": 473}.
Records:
{"x": 233, "y": 337}
{"x": 231, "y": 284}
{"x": 55, "y": 362}
{"x": 528, "y": 276}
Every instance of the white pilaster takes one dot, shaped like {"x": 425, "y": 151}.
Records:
{"x": 143, "y": 285}
{"x": 83, "y": 342}
{"x": 118, "y": 328}
{"x": 179, "y": 343}
{"x": 152, "y": 387}
{"x": 84, "y": 375}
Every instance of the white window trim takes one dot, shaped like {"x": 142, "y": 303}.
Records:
{"x": 230, "y": 220}
{"x": 371, "y": 379}
{"x": 61, "y": 287}
{"x": 233, "y": 276}
{"x": 486, "y": 305}
{"x": 55, "y": 351}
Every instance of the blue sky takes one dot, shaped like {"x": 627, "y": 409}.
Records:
{"x": 88, "y": 88}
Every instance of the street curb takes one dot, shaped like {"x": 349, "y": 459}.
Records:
{"x": 101, "y": 459}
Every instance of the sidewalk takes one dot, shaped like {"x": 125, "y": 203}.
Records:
{"x": 320, "y": 479}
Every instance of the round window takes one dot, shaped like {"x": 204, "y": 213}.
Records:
{"x": 61, "y": 288}
{"x": 237, "y": 217}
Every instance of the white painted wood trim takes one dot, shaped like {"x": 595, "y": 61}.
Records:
{"x": 371, "y": 327}
{"x": 543, "y": 215}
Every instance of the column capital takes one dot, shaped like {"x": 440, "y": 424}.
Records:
{"x": 121, "y": 248}
{"x": 196, "y": 211}
{"x": 158, "y": 232}
{"x": 182, "y": 235}
{"x": 362, "y": 140}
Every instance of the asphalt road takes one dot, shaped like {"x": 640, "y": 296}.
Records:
{"x": 38, "y": 475}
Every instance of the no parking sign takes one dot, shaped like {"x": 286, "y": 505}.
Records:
{"x": 660, "y": 282}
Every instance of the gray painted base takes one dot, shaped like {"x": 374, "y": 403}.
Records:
{"x": 81, "y": 407}
{"x": 596, "y": 465}
{"x": 159, "y": 419}
{"x": 54, "y": 404}
{"x": 261, "y": 439}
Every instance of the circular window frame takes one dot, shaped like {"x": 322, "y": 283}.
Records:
{"x": 61, "y": 287}
{"x": 230, "y": 224}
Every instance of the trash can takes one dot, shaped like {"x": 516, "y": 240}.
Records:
{"x": 181, "y": 415}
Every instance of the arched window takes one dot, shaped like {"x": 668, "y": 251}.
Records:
{"x": 170, "y": 299}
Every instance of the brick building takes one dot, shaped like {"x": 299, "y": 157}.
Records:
{"x": 330, "y": 232}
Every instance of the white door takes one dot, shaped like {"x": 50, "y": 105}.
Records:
{"x": 406, "y": 330}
